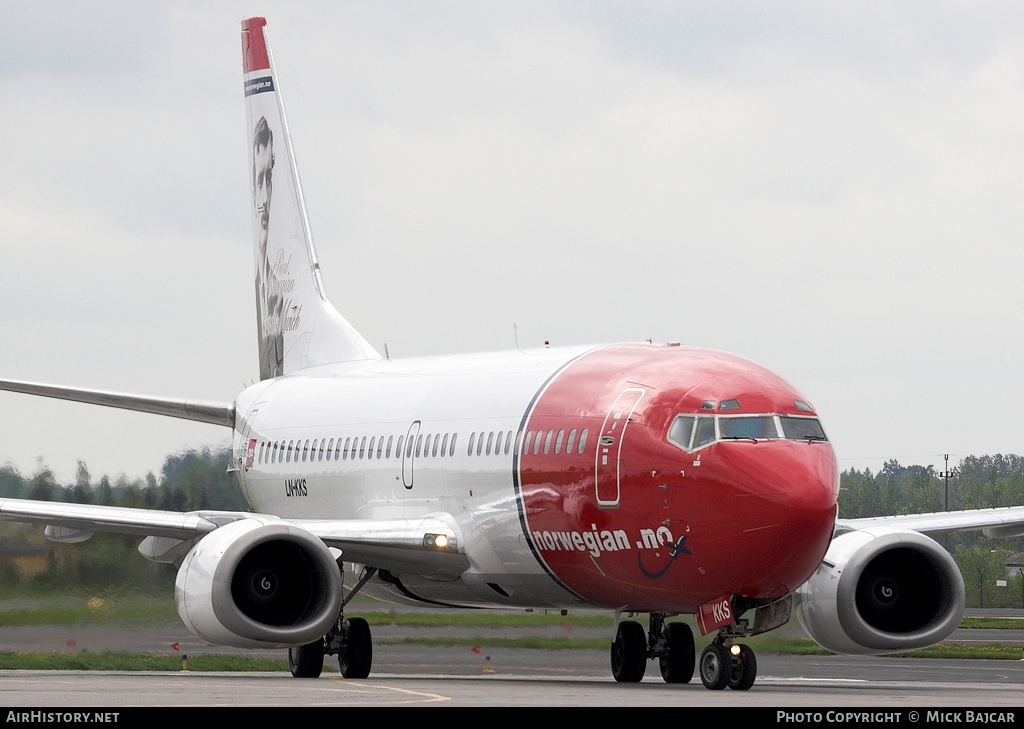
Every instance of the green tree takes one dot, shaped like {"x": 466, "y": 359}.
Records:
{"x": 44, "y": 486}
{"x": 12, "y": 484}
{"x": 981, "y": 568}
{"x": 81, "y": 492}
{"x": 104, "y": 492}
{"x": 921, "y": 493}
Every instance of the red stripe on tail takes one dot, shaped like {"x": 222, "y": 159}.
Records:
{"x": 254, "y": 47}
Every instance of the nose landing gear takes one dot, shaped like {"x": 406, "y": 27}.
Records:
{"x": 734, "y": 666}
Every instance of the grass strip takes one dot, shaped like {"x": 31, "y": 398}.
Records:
{"x": 993, "y": 623}
{"x": 109, "y": 661}
{"x": 108, "y": 612}
{"x": 97, "y": 611}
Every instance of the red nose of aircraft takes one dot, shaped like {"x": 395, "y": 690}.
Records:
{"x": 786, "y": 494}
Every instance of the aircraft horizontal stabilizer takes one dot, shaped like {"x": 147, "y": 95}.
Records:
{"x": 216, "y": 413}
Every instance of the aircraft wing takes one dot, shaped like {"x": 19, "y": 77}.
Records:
{"x": 87, "y": 518}
{"x": 1001, "y": 522}
{"x": 215, "y": 413}
{"x": 430, "y": 545}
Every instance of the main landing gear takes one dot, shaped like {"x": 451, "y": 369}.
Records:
{"x": 722, "y": 663}
{"x": 349, "y": 639}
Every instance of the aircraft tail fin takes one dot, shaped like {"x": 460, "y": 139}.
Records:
{"x": 296, "y": 324}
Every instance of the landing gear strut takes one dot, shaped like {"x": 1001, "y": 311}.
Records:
{"x": 349, "y": 639}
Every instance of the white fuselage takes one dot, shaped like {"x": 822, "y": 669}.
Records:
{"x": 334, "y": 442}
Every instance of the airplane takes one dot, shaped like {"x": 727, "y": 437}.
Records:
{"x": 630, "y": 478}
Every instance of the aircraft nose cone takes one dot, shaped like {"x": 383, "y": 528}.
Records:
{"x": 788, "y": 520}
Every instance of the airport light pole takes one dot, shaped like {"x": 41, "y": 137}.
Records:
{"x": 946, "y": 474}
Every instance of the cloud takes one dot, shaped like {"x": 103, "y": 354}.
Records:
{"x": 830, "y": 190}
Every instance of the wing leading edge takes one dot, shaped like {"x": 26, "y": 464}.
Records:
{"x": 216, "y": 413}
{"x": 1003, "y": 522}
{"x": 429, "y": 546}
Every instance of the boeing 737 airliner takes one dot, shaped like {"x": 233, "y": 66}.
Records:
{"x": 631, "y": 478}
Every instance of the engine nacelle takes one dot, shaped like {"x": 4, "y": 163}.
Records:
{"x": 259, "y": 584}
{"x": 882, "y": 590}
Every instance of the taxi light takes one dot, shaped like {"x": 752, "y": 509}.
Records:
{"x": 436, "y": 541}
{"x": 734, "y": 649}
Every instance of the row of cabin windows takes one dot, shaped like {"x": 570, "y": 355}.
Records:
{"x": 357, "y": 447}
{"x": 430, "y": 445}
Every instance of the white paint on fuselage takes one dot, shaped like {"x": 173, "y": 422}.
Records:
{"x": 461, "y": 396}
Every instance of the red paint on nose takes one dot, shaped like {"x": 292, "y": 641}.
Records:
{"x": 786, "y": 509}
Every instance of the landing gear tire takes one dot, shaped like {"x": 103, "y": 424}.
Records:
{"x": 629, "y": 652}
{"x": 355, "y": 658}
{"x": 715, "y": 667}
{"x": 677, "y": 665}
{"x": 743, "y": 670}
{"x": 307, "y": 661}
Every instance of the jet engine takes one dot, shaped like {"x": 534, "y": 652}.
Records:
{"x": 882, "y": 590}
{"x": 259, "y": 584}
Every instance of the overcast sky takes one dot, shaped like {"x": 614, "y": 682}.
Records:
{"x": 831, "y": 189}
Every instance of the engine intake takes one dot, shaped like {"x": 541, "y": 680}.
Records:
{"x": 882, "y": 590}
{"x": 255, "y": 584}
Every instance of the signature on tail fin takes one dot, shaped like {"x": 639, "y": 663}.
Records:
{"x": 297, "y": 326}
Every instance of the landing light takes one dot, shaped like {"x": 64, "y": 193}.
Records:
{"x": 437, "y": 541}
{"x": 734, "y": 649}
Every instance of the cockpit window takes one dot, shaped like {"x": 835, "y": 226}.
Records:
{"x": 757, "y": 427}
{"x": 705, "y": 432}
{"x": 681, "y": 430}
{"x": 691, "y": 432}
{"x": 797, "y": 428}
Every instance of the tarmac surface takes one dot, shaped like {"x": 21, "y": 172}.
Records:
{"x": 416, "y": 675}
{"x": 785, "y": 681}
